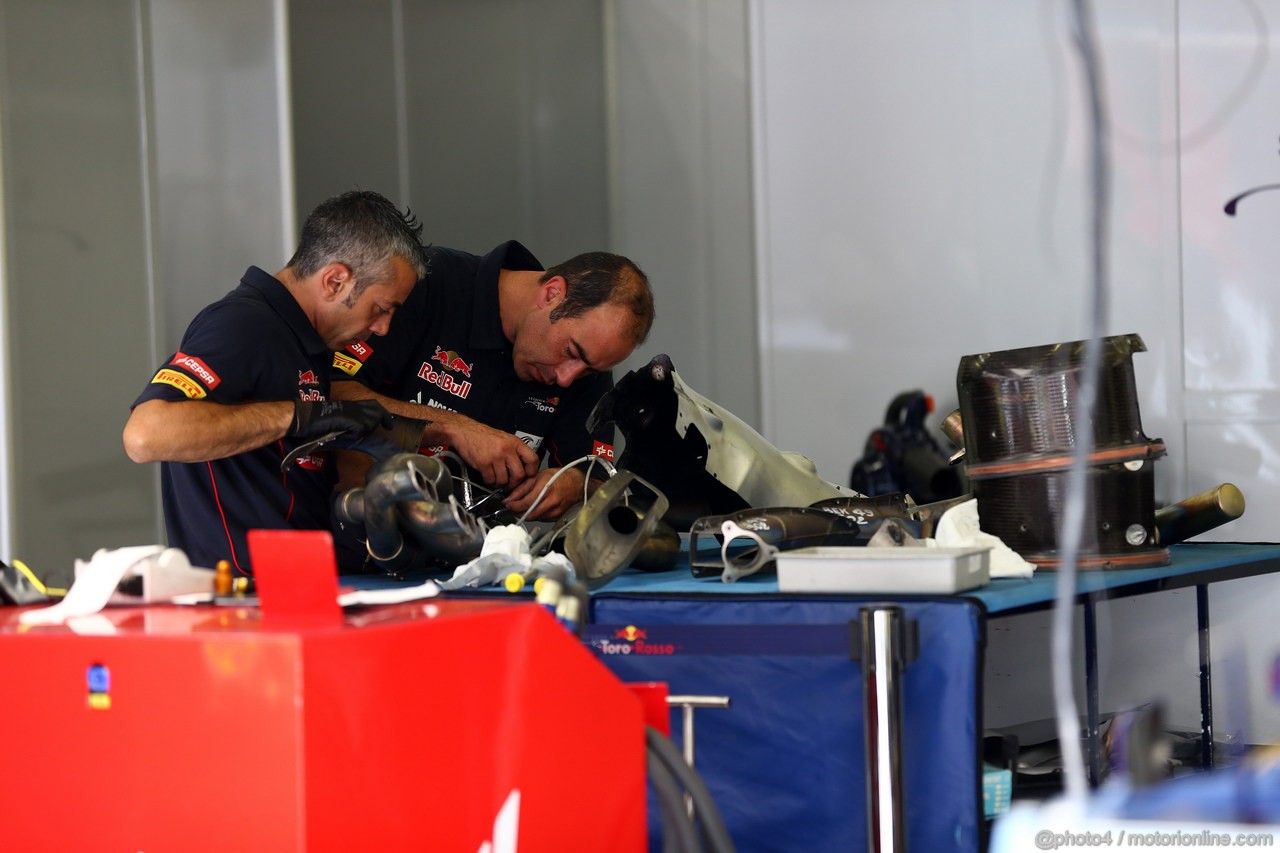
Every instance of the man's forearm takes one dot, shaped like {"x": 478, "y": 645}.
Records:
{"x": 199, "y": 430}
{"x": 499, "y": 457}
{"x": 442, "y": 424}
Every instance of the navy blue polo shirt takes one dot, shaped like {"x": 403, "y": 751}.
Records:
{"x": 446, "y": 348}
{"x": 253, "y": 345}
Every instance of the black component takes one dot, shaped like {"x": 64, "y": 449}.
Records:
{"x": 671, "y": 775}
{"x": 901, "y": 456}
{"x": 784, "y": 528}
{"x": 17, "y": 588}
{"x": 643, "y": 405}
{"x": 131, "y": 586}
{"x": 1025, "y": 510}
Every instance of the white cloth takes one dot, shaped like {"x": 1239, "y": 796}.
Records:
{"x": 506, "y": 549}
{"x": 959, "y": 528}
{"x": 95, "y": 581}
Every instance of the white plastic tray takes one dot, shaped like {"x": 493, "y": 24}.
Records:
{"x": 863, "y": 569}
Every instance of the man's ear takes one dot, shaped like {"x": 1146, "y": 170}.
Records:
{"x": 334, "y": 278}
{"x": 551, "y": 292}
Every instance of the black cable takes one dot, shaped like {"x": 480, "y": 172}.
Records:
{"x": 678, "y": 834}
{"x": 714, "y": 833}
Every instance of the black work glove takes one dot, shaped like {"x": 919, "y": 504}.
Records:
{"x": 353, "y": 418}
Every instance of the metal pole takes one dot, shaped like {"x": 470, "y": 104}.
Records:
{"x": 1206, "y": 678}
{"x": 882, "y": 656}
{"x": 686, "y": 705}
{"x": 1092, "y": 715}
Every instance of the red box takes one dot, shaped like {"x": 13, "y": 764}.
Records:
{"x": 409, "y": 726}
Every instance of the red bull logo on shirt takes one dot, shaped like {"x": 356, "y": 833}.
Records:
{"x": 452, "y": 361}
{"x": 307, "y": 377}
{"x": 444, "y": 381}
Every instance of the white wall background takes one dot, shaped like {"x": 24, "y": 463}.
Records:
{"x": 921, "y": 172}
{"x": 681, "y": 191}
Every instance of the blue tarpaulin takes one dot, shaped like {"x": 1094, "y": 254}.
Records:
{"x": 785, "y": 763}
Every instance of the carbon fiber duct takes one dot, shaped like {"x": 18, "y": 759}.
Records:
{"x": 1021, "y": 428}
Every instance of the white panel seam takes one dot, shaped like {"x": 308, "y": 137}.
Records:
{"x": 399, "y": 70}
{"x": 284, "y": 113}
{"x": 6, "y": 384}
{"x": 146, "y": 113}
{"x": 756, "y": 77}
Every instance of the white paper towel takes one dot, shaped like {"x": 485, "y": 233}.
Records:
{"x": 959, "y": 528}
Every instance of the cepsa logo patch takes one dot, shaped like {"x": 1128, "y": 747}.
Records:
{"x": 632, "y": 641}
{"x": 197, "y": 368}
{"x": 361, "y": 350}
{"x": 184, "y": 383}
{"x": 314, "y": 462}
{"x": 346, "y": 364}
{"x": 599, "y": 448}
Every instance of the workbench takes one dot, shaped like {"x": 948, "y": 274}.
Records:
{"x": 786, "y": 761}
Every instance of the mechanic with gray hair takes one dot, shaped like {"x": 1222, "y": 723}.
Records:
{"x": 250, "y": 382}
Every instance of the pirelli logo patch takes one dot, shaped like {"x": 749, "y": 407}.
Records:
{"x": 346, "y": 364}
{"x": 184, "y": 383}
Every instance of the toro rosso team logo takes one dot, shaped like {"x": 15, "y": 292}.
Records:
{"x": 452, "y": 361}
{"x": 546, "y": 405}
{"x": 632, "y": 641}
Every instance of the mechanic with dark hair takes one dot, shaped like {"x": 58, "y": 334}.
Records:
{"x": 250, "y": 381}
{"x": 511, "y": 359}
